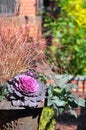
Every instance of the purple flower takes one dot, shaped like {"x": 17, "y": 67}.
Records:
{"x": 27, "y": 84}
{"x": 26, "y": 90}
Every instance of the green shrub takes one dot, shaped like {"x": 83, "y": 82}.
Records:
{"x": 69, "y": 32}
{"x": 47, "y": 121}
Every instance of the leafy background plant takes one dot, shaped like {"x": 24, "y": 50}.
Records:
{"x": 68, "y": 50}
{"x": 61, "y": 97}
{"x": 3, "y": 91}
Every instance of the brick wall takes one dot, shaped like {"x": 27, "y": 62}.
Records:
{"x": 81, "y": 85}
{"x": 28, "y": 7}
{"x": 80, "y": 81}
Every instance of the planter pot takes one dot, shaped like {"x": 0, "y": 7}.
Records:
{"x": 13, "y": 118}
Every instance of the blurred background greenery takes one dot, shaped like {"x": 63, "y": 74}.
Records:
{"x": 67, "y": 51}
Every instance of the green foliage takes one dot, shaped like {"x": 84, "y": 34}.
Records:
{"x": 69, "y": 33}
{"x": 3, "y": 91}
{"x": 61, "y": 98}
{"x": 42, "y": 77}
{"x": 47, "y": 121}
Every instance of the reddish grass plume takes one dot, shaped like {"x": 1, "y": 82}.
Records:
{"x": 18, "y": 51}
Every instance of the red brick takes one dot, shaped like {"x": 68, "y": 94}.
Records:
{"x": 27, "y": 7}
{"x": 81, "y": 85}
{"x": 74, "y": 81}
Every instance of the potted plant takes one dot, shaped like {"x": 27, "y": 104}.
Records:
{"x": 17, "y": 57}
{"x": 29, "y": 88}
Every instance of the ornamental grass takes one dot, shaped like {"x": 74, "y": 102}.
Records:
{"x": 18, "y": 51}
